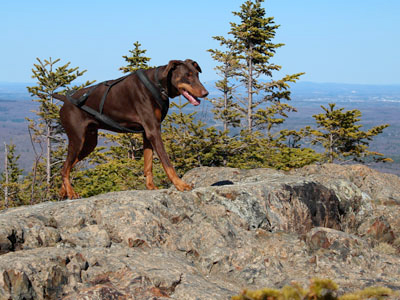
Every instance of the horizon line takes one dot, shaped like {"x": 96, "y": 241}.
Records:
{"x": 213, "y": 80}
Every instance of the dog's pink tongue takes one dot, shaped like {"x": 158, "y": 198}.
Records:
{"x": 191, "y": 99}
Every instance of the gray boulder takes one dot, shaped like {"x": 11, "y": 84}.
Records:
{"x": 237, "y": 229}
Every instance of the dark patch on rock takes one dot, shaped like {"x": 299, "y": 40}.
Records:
{"x": 322, "y": 203}
{"x": 222, "y": 182}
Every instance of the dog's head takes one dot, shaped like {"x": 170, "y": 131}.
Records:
{"x": 183, "y": 79}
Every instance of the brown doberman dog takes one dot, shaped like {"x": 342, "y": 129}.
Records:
{"x": 132, "y": 105}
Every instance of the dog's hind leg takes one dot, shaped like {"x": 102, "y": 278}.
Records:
{"x": 72, "y": 159}
{"x": 79, "y": 147}
{"x": 90, "y": 142}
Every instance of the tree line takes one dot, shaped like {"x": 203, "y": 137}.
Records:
{"x": 251, "y": 108}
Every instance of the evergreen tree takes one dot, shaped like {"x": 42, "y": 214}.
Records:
{"x": 136, "y": 60}
{"x": 342, "y": 138}
{"x": 246, "y": 58}
{"x": 10, "y": 178}
{"x": 47, "y": 128}
{"x": 225, "y": 109}
{"x": 255, "y": 150}
{"x": 251, "y": 44}
{"x": 107, "y": 171}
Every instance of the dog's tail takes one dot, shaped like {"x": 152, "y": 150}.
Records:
{"x": 60, "y": 97}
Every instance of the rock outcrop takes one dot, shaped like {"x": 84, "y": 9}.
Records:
{"x": 236, "y": 229}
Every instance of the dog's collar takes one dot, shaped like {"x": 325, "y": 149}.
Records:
{"x": 163, "y": 91}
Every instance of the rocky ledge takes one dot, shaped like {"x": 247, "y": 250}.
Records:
{"x": 237, "y": 229}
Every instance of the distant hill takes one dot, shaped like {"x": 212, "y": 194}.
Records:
{"x": 346, "y": 92}
{"x": 302, "y": 89}
{"x": 14, "y": 91}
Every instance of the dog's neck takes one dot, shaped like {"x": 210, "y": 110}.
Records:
{"x": 165, "y": 81}
{"x": 162, "y": 87}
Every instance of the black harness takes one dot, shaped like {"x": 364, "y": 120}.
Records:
{"x": 157, "y": 92}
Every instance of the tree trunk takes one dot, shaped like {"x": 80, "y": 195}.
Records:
{"x": 32, "y": 200}
{"x": 6, "y": 175}
{"x": 48, "y": 157}
{"x": 48, "y": 154}
{"x": 225, "y": 120}
{"x": 250, "y": 94}
{"x": 225, "y": 104}
{"x": 331, "y": 148}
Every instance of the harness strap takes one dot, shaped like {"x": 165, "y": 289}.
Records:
{"x": 103, "y": 99}
{"x": 163, "y": 91}
{"x": 106, "y": 120}
{"x": 82, "y": 99}
{"x": 164, "y": 104}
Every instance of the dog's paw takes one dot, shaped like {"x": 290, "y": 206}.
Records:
{"x": 151, "y": 186}
{"x": 73, "y": 196}
{"x": 183, "y": 186}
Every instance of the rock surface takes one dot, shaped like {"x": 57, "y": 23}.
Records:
{"x": 237, "y": 229}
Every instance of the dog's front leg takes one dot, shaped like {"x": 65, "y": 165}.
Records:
{"x": 148, "y": 163}
{"x": 155, "y": 139}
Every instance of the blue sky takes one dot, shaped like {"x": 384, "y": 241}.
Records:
{"x": 343, "y": 41}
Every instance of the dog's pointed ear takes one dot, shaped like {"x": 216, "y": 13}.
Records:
{"x": 171, "y": 65}
{"x": 194, "y": 64}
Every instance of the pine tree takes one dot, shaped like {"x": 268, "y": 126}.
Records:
{"x": 245, "y": 57}
{"x": 342, "y": 138}
{"x": 251, "y": 44}
{"x": 107, "y": 172}
{"x": 136, "y": 61}
{"x": 225, "y": 109}
{"x": 255, "y": 150}
{"x": 10, "y": 178}
{"x": 288, "y": 150}
{"x": 47, "y": 128}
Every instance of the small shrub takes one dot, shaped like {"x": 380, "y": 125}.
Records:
{"x": 320, "y": 289}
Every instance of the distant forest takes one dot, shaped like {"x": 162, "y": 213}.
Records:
{"x": 376, "y": 104}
